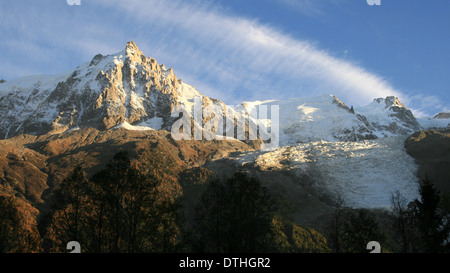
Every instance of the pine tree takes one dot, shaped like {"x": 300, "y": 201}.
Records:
{"x": 361, "y": 228}
{"x": 433, "y": 230}
{"x": 129, "y": 213}
{"x": 235, "y": 215}
{"x": 70, "y": 210}
{"x": 119, "y": 210}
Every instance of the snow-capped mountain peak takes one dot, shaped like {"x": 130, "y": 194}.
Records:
{"x": 103, "y": 93}
{"x": 438, "y": 121}
{"x": 131, "y": 89}
{"x": 327, "y": 118}
{"x": 442, "y": 115}
{"x": 388, "y": 116}
{"x": 389, "y": 101}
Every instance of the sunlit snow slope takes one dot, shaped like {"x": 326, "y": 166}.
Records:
{"x": 329, "y": 119}
{"x": 363, "y": 173}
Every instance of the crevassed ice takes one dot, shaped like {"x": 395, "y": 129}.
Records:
{"x": 365, "y": 173}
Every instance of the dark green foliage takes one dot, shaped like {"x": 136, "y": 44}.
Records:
{"x": 433, "y": 230}
{"x": 360, "y": 229}
{"x": 70, "y": 206}
{"x": 235, "y": 215}
{"x": 124, "y": 197}
{"x": 119, "y": 210}
{"x": 287, "y": 237}
{"x": 419, "y": 226}
{"x": 422, "y": 225}
{"x": 306, "y": 240}
{"x": 336, "y": 225}
{"x": 278, "y": 241}
{"x": 125, "y": 209}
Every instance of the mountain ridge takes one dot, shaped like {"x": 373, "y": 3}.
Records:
{"x": 124, "y": 101}
{"x": 129, "y": 89}
{"x": 103, "y": 93}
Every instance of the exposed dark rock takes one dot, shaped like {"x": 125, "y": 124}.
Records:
{"x": 431, "y": 151}
{"x": 442, "y": 115}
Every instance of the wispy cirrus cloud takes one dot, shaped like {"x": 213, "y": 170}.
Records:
{"x": 226, "y": 56}
{"x": 241, "y": 54}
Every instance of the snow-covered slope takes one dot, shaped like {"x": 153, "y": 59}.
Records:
{"x": 124, "y": 89}
{"x": 27, "y": 84}
{"x": 316, "y": 118}
{"x": 327, "y": 118}
{"x": 357, "y": 153}
{"x": 20, "y": 98}
{"x": 389, "y": 117}
{"x": 440, "y": 120}
{"x": 363, "y": 173}
{"x": 131, "y": 90}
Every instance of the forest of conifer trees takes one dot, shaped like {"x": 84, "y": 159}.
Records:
{"x": 121, "y": 209}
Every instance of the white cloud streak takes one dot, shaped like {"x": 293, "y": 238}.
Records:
{"x": 228, "y": 57}
{"x": 236, "y": 50}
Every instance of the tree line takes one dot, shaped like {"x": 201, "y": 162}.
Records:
{"x": 419, "y": 226}
{"x": 121, "y": 210}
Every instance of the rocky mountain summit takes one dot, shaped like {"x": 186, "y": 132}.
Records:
{"x": 389, "y": 116}
{"x": 125, "y": 101}
{"x": 327, "y": 118}
{"x": 442, "y": 115}
{"x": 130, "y": 90}
{"x": 126, "y": 87}
{"x": 431, "y": 151}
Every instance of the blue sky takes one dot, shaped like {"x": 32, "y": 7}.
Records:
{"x": 241, "y": 50}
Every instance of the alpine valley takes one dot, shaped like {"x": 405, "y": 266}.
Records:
{"x": 327, "y": 150}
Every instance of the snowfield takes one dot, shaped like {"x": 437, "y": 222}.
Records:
{"x": 357, "y": 153}
{"x": 311, "y": 119}
{"x": 432, "y": 123}
{"x": 363, "y": 173}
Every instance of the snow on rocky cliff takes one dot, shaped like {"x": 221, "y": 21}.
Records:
{"x": 357, "y": 153}
{"x": 327, "y": 118}
{"x": 363, "y": 173}
{"x": 440, "y": 120}
{"x": 122, "y": 88}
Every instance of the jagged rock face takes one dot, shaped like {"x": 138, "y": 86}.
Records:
{"x": 130, "y": 88}
{"x": 442, "y": 115}
{"x": 361, "y": 130}
{"x": 123, "y": 88}
{"x": 388, "y": 116}
{"x": 431, "y": 151}
{"x": 404, "y": 115}
{"x": 106, "y": 92}
{"x": 329, "y": 119}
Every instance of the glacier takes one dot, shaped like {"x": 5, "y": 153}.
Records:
{"x": 356, "y": 153}
{"x": 364, "y": 174}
